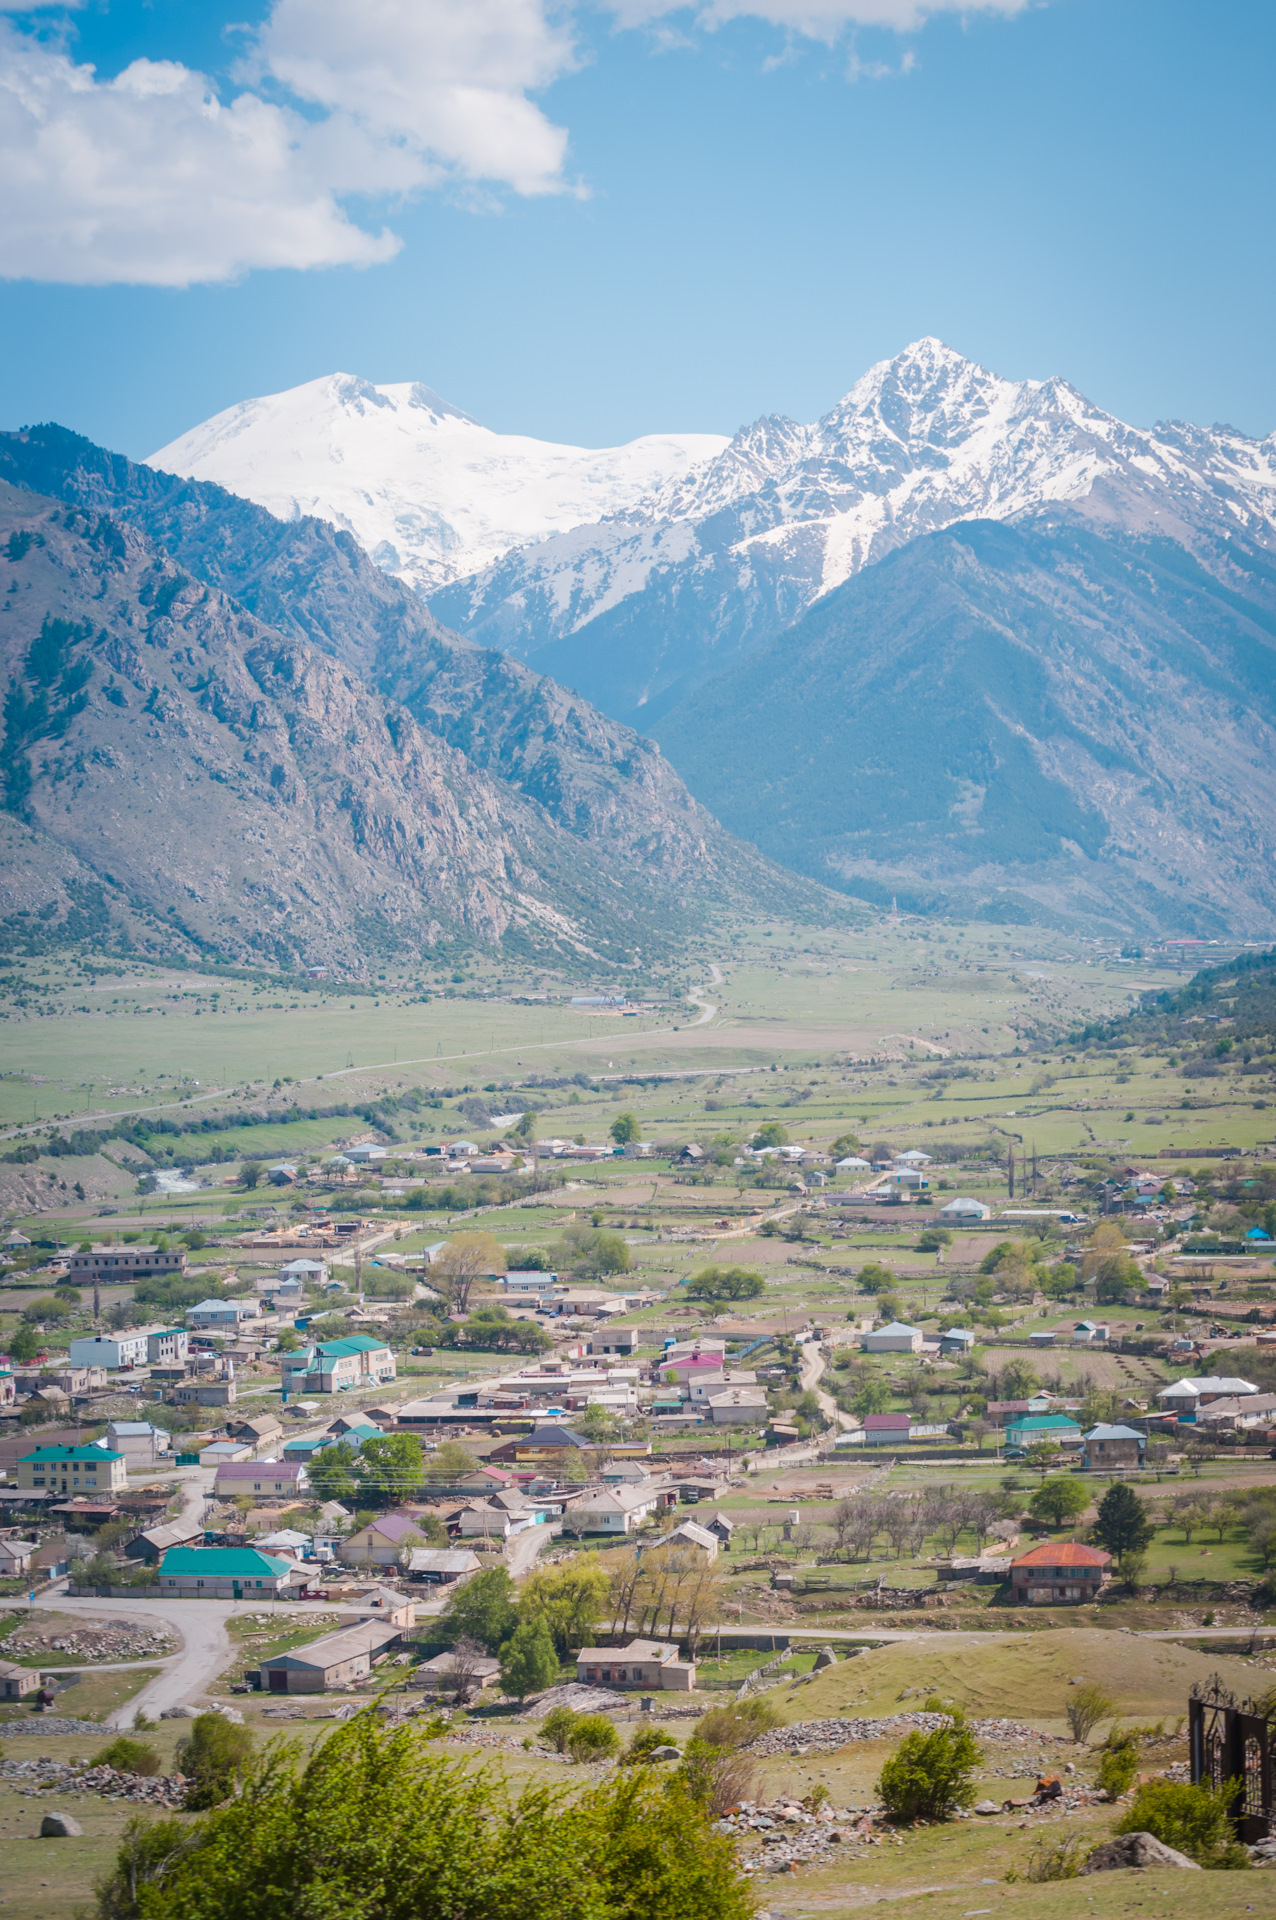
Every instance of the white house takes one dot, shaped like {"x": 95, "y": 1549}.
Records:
{"x": 703, "y": 1386}
{"x": 964, "y": 1208}
{"x": 363, "y": 1155}
{"x": 853, "y": 1164}
{"x": 913, "y": 1157}
{"x": 1194, "y": 1391}
{"x": 529, "y": 1280}
{"x": 736, "y": 1406}
{"x": 896, "y": 1338}
{"x": 303, "y": 1272}
{"x": 212, "y": 1314}
{"x": 617, "y": 1509}
{"x": 113, "y": 1351}
{"x": 138, "y": 1441}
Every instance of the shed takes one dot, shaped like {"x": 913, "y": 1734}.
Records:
{"x": 17, "y": 1682}
{"x": 442, "y": 1566}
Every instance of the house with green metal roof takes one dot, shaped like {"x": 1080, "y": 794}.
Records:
{"x": 335, "y": 1366}
{"x": 70, "y": 1470}
{"x": 226, "y": 1573}
{"x": 1055, "y": 1427}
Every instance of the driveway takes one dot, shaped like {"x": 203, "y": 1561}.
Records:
{"x": 522, "y": 1550}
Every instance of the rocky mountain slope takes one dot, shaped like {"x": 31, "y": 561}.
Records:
{"x": 596, "y": 779}
{"x": 1043, "y": 720}
{"x": 429, "y": 492}
{"x": 636, "y": 611}
{"x": 181, "y": 773}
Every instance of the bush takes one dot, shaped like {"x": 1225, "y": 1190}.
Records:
{"x": 734, "y": 1726}
{"x": 1118, "y": 1764}
{"x": 930, "y": 1775}
{"x": 1196, "y": 1820}
{"x": 212, "y": 1756}
{"x": 373, "y": 1822}
{"x": 644, "y": 1743}
{"x": 1054, "y": 1859}
{"x": 714, "y": 1778}
{"x": 592, "y": 1737}
{"x": 128, "y": 1756}
{"x": 556, "y": 1728}
{"x": 1084, "y": 1708}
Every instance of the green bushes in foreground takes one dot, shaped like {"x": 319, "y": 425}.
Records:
{"x": 373, "y": 1824}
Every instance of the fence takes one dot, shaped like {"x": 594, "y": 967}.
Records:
{"x": 1232, "y": 1740}
{"x": 756, "y": 1678}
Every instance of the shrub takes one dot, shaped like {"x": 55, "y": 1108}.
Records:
{"x": 1084, "y": 1708}
{"x": 1196, "y": 1820}
{"x": 213, "y": 1755}
{"x": 929, "y": 1777}
{"x": 644, "y": 1742}
{"x": 372, "y": 1822}
{"x": 1054, "y": 1859}
{"x": 1118, "y": 1764}
{"x": 714, "y": 1778}
{"x": 593, "y": 1737}
{"x": 734, "y": 1726}
{"x": 555, "y": 1728}
{"x": 128, "y": 1756}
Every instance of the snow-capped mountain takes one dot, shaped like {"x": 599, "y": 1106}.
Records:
{"x": 426, "y": 490}
{"x": 637, "y": 609}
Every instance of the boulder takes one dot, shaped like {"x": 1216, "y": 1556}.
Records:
{"x": 664, "y": 1753}
{"x": 59, "y": 1826}
{"x": 1135, "y": 1850}
{"x": 181, "y": 1713}
{"x": 824, "y": 1658}
{"x": 987, "y": 1806}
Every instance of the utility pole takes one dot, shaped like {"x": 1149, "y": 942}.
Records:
{"x": 1012, "y": 1170}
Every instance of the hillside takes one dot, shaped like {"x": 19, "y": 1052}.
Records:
{"x": 1031, "y": 721}
{"x": 597, "y": 780}
{"x": 183, "y": 776}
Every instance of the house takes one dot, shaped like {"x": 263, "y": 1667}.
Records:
{"x": 155, "y": 1542}
{"x": 297, "y": 1274}
{"x": 218, "y": 1452}
{"x": 1066, "y": 1575}
{"x": 702, "y": 1387}
{"x": 956, "y": 1340}
{"x": 212, "y": 1314}
{"x": 614, "y": 1339}
{"x": 541, "y": 1444}
{"x": 895, "y": 1338}
{"x": 378, "y": 1602}
{"x": 383, "y": 1541}
{"x": 17, "y": 1682}
{"x": 721, "y": 1524}
{"x": 618, "y": 1509}
{"x": 260, "y": 1432}
{"x": 886, "y": 1429}
{"x": 1195, "y": 1391}
{"x": 1243, "y": 1411}
{"x": 224, "y": 1573}
{"x": 77, "y": 1381}
{"x": 335, "y": 1366}
{"x": 445, "y": 1673}
{"x": 333, "y": 1661}
{"x": 735, "y": 1406}
{"x": 354, "y": 1427}
{"x": 139, "y": 1442}
{"x": 9, "y": 1388}
{"x": 913, "y": 1157}
{"x": 1107, "y": 1446}
{"x": 204, "y": 1393}
{"x": 114, "y": 1351}
{"x": 1054, "y": 1427}
{"x": 269, "y": 1479}
{"x": 964, "y": 1211}
{"x": 65, "y": 1470}
{"x": 442, "y": 1566}
{"x": 122, "y": 1266}
{"x": 691, "y": 1534}
{"x": 365, "y": 1154}
{"x": 16, "y": 1556}
{"x": 526, "y": 1280}
{"x": 1005, "y": 1412}
{"x": 647, "y": 1665}
{"x": 1086, "y": 1331}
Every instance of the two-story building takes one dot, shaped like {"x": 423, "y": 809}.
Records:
{"x": 167, "y": 1346}
{"x": 335, "y": 1366}
{"x": 261, "y": 1479}
{"x": 122, "y": 1266}
{"x": 116, "y": 1352}
{"x": 1113, "y": 1446}
{"x": 213, "y": 1315}
{"x": 71, "y": 1470}
{"x": 1058, "y": 1576}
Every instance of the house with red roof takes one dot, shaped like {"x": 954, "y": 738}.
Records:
{"x": 1067, "y": 1575}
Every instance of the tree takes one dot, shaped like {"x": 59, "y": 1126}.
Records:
{"x": 466, "y": 1258}
{"x": 249, "y": 1175}
{"x": 725, "y": 1283}
{"x": 570, "y": 1599}
{"x": 1041, "y": 1456}
{"x": 1018, "y": 1380}
{"x": 593, "y": 1737}
{"x": 931, "y": 1239}
{"x": 873, "y": 1397}
{"x": 846, "y": 1145}
{"x": 770, "y": 1134}
{"x": 1123, "y": 1526}
{"x": 390, "y": 1467}
{"x": 450, "y": 1460}
{"x": 529, "y": 1663}
{"x": 596, "y": 1423}
{"x": 212, "y": 1756}
{"x": 1083, "y": 1709}
{"x": 929, "y": 1776}
{"x": 332, "y": 1471}
{"x": 23, "y": 1345}
{"x": 875, "y": 1278}
{"x": 1059, "y": 1500}
{"x": 624, "y": 1128}
{"x": 609, "y": 1254}
{"x": 483, "y": 1610}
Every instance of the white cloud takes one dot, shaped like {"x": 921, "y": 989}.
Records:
{"x": 151, "y": 178}
{"x": 814, "y": 19}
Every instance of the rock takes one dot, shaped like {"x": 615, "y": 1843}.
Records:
{"x": 824, "y": 1658}
{"x": 664, "y": 1753}
{"x": 232, "y": 1714}
{"x": 181, "y": 1713}
{"x": 987, "y": 1806}
{"x": 59, "y": 1826}
{"x": 1135, "y": 1850}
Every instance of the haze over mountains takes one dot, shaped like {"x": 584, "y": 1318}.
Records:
{"x": 1067, "y": 716}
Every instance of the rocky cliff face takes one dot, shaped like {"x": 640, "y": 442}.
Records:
{"x": 180, "y": 769}
{"x": 1031, "y": 721}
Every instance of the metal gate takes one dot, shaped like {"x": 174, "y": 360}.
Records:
{"x": 1232, "y": 1740}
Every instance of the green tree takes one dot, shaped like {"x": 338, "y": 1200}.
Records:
{"x": 332, "y": 1471}
{"x": 373, "y": 1822}
{"x": 845, "y": 1146}
{"x": 250, "y": 1174}
{"x": 129, "y": 1756}
{"x": 875, "y": 1278}
{"x": 1041, "y": 1456}
{"x": 725, "y": 1283}
{"x": 23, "y": 1345}
{"x": 873, "y": 1397}
{"x": 624, "y": 1129}
{"x": 1123, "y": 1526}
{"x": 596, "y": 1423}
{"x": 608, "y": 1254}
{"x": 529, "y": 1663}
{"x": 213, "y": 1756}
{"x": 390, "y": 1468}
{"x": 1059, "y": 1500}
{"x": 593, "y": 1737}
{"x": 930, "y": 1775}
{"x": 1018, "y": 1381}
{"x": 484, "y": 1610}
{"x": 570, "y": 1598}
{"x": 771, "y": 1134}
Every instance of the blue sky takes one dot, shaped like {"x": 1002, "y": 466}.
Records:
{"x": 595, "y": 222}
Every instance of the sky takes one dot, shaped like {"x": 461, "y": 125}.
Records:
{"x": 591, "y": 221}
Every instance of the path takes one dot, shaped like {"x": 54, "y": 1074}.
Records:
{"x": 811, "y": 1369}
{"x": 715, "y": 979}
{"x": 523, "y": 1549}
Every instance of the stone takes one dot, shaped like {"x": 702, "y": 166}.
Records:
{"x": 59, "y": 1826}
{"x": 1135, "y": 1850}
{"x": 181, "y": 1713}
{"x": 824, "y": 1658}
{"x": 987, "y": 1806}
{"x": 664, "y": 1753}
